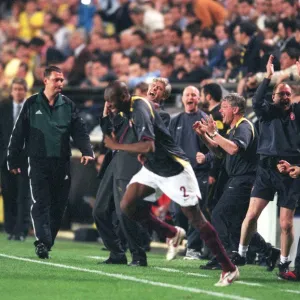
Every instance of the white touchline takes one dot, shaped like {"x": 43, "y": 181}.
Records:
{"x": 179, "y": 271}
{"x": 291, "y": 291}
{"x": 131, "y": 278}
{"x": 98, "y": 257}
{"x": 249, "y": 283}
{"x": 191, "y": 274}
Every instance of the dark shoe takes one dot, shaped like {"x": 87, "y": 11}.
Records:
{"x": 211, "y": 265}
{"x": 111, "y": 261}
{"x": 20, "y": 238}
{"x": 283, "y": 269}
{"x": 237, "y": 259}
{"x": 10, "y": 237}
{"x": 271, "y": 260}
{"x": 138, "y": 263}
{"x": 41, "y": 250}
{"x": 290, "y": 275}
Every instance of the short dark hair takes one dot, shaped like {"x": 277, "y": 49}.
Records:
{"x": 236, "y": 100}
{"x": 214, "y": 90}
{"x": 288, "y": 23}
{"x": 247, "y": 27}
{"x": 51, "y": 69}
{"x": 292, "y": 52}
{"x": 20, "y": 81}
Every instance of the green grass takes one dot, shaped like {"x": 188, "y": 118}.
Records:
{"x": 48, "y": 280}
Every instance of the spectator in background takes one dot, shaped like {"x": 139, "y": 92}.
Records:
{"x": 141, "y": 52}
{"x": 31, "y": 20}
{"x": 198, "y": 70}
{"x": 61, "y": 34}
{"x": 286, "y": 30}
{"x": 215, "y": 55}
{"x": 245, "y": 34}
{"x": 99, "y": 76}
{"x": 82, "y": 56}
{"x": 209, "y": 12}
{"x": 288, "y": 69}
{"x": 120, "y": 18}
{"x": 15, "y": 189}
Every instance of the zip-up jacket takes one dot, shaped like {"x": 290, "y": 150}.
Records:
{"x": 45, "y": 130}
{"x": 181, "y": 129}
{"x": 279, "y": 130}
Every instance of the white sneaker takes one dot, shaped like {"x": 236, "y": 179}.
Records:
{"x": 228, "y": 278}
{"x": 192, "y": 254}
{"x": 174, "y": 242}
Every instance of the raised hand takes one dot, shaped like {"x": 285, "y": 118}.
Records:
{"x": 210, "y": 125}
{"x": 270, "y": 67}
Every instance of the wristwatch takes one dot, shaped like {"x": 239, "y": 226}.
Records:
{"x": 214, "y": 133}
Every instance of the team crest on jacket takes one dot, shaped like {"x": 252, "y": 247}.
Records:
{"x": 292, "y": 116}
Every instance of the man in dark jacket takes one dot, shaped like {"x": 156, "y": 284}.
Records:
{"x": 121, "y": 167}
{"x": 15, "y": 189}
{"x": 181, "y": 129}
{"x": 45, "y": 124}
{"x": 278, "y": 140}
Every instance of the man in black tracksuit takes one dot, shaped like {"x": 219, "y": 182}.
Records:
{"x": 46, "y": 123}
{"x": 279, "y": 124}
{"x": 240, "y": 163}
{"x": 118, "y": 169}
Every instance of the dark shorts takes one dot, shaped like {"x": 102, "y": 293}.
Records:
{"x": 269, "y": 181}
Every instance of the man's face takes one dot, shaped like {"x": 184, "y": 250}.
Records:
{"x": 282, "y": 96}
{"x": 281, "y": 31}
{"x": 119, "y": 103}
{"x": 54, "y": 83}
{"x": 190, "y": 99}
{"x": 237, "y": 35}
{"x": 227, "y": 112}
{"x": 203, "y": 99}
{"x": 156, "y": 92}
{"x": 196, "y": 60}
{"x": 18, "y": 92}
{"x": 286, "y": 61}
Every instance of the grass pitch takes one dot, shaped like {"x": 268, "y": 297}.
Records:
{"x": 73, "y": 273}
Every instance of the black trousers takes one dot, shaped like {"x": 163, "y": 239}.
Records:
{"x": 16, "y": 199}
{"x": 231, "y": 209}
{"x": 193, "y": 235}
{"x": 49, "y": 180}
{"x": 109, "y": 196}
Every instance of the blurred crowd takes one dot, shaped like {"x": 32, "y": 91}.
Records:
{"x": 187, "y": 41}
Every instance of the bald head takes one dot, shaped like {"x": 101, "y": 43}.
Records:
{"x": 190, "y": 99}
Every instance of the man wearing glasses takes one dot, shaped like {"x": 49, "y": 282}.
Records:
{"x": 279, "y": 125}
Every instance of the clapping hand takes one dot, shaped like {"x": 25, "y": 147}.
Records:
{"x": 209, "y": 125}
